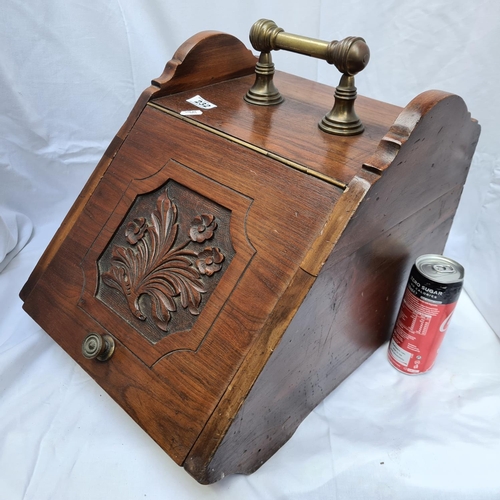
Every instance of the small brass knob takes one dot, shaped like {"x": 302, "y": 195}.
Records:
{"x": 100, "y": 347}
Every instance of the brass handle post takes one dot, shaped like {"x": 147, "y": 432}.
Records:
{"x": 350, "y": 56}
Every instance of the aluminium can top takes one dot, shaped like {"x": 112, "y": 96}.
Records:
{"x": 440, "y": 269}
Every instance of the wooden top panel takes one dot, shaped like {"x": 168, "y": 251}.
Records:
{"x": 291, "y": 129}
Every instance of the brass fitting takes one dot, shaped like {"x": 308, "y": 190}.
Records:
{"x": 349, "y": 56}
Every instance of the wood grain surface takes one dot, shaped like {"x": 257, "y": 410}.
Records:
{"x": 274, "y": 234}
{"x": 403, "y": 208}
{"x": 227, "y": 58}
{"x": 317, "y": 235}
{"x": 291, "y": 128}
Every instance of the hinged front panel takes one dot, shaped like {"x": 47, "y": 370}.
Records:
{"x": 180, "y": 255}
{"x": 174, "y": 237}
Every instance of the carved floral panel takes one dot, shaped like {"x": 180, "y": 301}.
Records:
{"x": 164, "y": 261}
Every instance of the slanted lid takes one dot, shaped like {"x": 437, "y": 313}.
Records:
{"x": 290, "y": 129}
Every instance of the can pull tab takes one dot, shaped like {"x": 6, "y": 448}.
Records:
{"x": 443, "y": 268}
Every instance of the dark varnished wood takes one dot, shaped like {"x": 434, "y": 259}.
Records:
{"x": 207, "y": 50}
{"x": 273, "y": 234}
{"x": 205, "y": 59}
{"x": 307, "y": 271}
{"x": 291, "y": 128}
{"x": 225, "y": 197}
{"x": 430, "y": 146}
{"x": 165, "y": 260}
{"x": 347, "y": 314}
{"x": 350, "y": 309}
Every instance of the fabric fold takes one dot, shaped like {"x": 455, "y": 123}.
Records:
{"x": 15, "y": 232}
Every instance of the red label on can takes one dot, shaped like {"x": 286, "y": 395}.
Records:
{"x": 418, "y": 333}
{"x": 425, "y": 313}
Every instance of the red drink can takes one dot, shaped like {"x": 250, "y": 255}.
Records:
{"x": 430, "y": 297}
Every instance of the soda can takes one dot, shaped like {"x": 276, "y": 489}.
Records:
{"x": 430, "y": 297}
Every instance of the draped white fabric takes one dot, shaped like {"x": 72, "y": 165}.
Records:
{"x": 70, "y": 72}
{"x": 15, "y": 231}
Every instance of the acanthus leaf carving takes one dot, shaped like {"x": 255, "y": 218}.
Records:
{"x": 156, "y": 264}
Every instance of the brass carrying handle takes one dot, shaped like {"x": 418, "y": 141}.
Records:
{"x": 350, "y": 56}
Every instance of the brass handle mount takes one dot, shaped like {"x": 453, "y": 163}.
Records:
{"x": 100, "y": 347}
{"x": 350, "y": 56}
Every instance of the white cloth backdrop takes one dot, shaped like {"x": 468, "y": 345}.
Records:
{"x": 70, "y": 72}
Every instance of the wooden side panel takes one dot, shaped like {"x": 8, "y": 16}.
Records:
{"x": 345, "y": 317}
{"x": 425, "y": 154}
{"x": 351, "y": 307}
{"x": 204, "y": 59}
